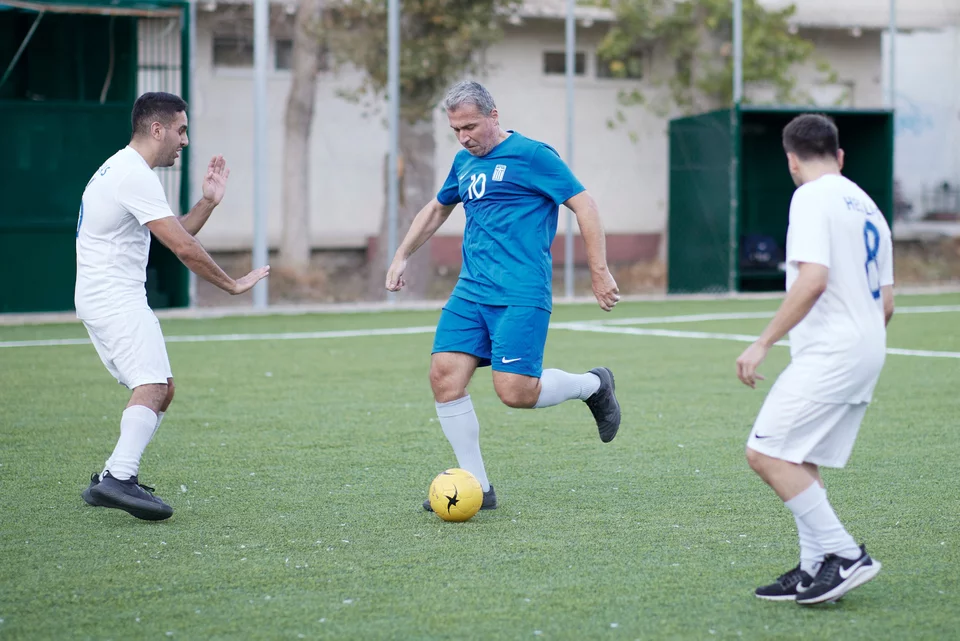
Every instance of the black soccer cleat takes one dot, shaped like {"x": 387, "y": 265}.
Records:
{"x": 837, "y": 576}
{"x": 604, "y": 405}
{"x": 129, "y": 496}
{"x": 87, "y": 496}
{"x": 489, "y": 501}
{"x": 787, "y": 586}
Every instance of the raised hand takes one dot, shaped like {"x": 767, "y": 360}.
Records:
{"x": 215, "y": 181}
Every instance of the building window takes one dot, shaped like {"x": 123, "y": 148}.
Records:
{"x": 232, "y": 51}
{"x": 555, "y": 63}
{"x": 629, "y": 66}
{"x": 283, "y": 56}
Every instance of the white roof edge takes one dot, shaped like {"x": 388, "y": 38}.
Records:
{"x": 557, "y": 10}
{"x": 810, "y": 18}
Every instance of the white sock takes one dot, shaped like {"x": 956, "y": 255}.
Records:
{"x": 137, "y": 426}
{"x": 462, "y": 429}
{"x": 812, "y": 507}
{"x": 811, "y": 554}
{"x": 557, "y": 386}
{"x": 159, "y": 420}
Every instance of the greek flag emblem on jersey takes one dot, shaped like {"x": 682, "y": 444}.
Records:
{"x": 499, "y": 171}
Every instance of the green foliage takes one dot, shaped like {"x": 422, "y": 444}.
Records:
{"x": 439, "y": 42}
{"x": 697, "y": 36}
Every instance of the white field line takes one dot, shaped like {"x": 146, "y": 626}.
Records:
{"x": 288, "y": 336}
{"x": 741, "y": 338}
{"x": 32, "y": 318}
{"x": 699, "y": 318}
{"x": 587, "y": 326}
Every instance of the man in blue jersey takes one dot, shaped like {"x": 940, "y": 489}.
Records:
{"x": 511, "y": 188}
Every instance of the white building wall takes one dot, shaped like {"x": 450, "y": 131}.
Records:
{"x": 628, "y": 177}
{"x": 857, "y": 62}
{"x": 927, "y": 80}
{"x": 346, "y": 160}
{"x": 872, "y": 14}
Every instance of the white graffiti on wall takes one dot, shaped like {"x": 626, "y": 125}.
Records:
{"x": 911, "y": 119}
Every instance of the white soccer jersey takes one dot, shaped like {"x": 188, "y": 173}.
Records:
{"x": 838, "y": 349}
{"x": 113, "y": 243}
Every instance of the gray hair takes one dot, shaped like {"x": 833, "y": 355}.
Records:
{"x": 468, "y": 92}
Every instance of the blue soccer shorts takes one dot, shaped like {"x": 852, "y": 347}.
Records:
{"x": 508, "y": 338}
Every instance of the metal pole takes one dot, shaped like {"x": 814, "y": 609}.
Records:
{"x": 23, "y": 46}
{"x": 737, "y": 51}
{"x": 393, "y": 92}
{"x": 261, "y": 29}
{"x": 892, "y": 62}
{"x": 734, "y": 147}
{"x": 191, "y": 90}
{"x": 571, "y": 51}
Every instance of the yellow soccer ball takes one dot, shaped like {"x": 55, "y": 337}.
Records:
{"x": 456, "y": 495}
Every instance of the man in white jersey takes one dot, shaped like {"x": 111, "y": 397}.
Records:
{"x": 838, "y": 303}
{"x": 122, "y": 205}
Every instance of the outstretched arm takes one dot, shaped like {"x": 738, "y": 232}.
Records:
{"x": 425, "y": 224}
{"x": 192, "y": 254}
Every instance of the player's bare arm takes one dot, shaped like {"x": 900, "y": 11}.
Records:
{"x": 605, "y": 288}
{"x": 191, "y": 253}
{"x": 887, "y": 293}
{"x": 806, "y": 291}
{"x": 425, "y": 224}
{"x": 214, "y": 187}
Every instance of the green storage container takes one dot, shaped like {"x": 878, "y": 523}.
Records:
{"x": 729, "y": 180}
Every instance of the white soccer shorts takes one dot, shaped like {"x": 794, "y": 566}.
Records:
{"x": 131, "y": 346}
{"x": 799, "y": 430}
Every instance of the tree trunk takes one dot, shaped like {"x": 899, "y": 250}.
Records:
{"x": 295, "y": 241}
{"x": 417, "y": 186}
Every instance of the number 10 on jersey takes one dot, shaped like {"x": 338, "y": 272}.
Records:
{"x": 478, "y": 186}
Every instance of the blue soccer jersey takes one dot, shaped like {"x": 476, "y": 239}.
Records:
{"x": 511, "y": 197}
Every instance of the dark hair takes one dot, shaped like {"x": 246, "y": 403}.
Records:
{"x": 811, "y": 136}
{"x": 155, "y": 106}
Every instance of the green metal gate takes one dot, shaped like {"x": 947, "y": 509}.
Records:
{"x": 729, "y": 180}
{"x": 70, "y": 74}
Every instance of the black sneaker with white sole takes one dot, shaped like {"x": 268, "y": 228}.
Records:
{"x": 837, "y": 576}
{"x": 489, "y": 501}
{"x": 787, "y": 586}
{"x": 604, "y": 405}
{"x": 129, "y": 496}
{"x": 87, "y": 496}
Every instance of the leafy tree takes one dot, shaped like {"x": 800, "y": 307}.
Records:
{"x": 696, "y": 35}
